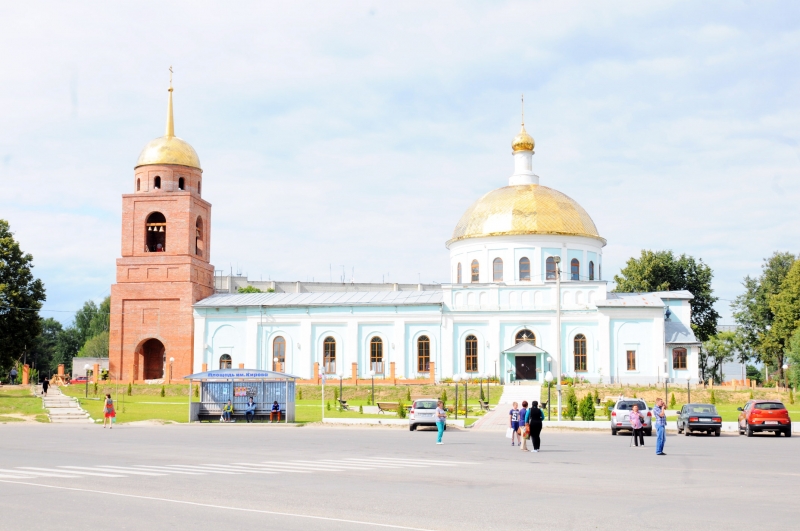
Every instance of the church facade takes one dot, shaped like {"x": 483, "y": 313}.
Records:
{"x": 526, "y": 297}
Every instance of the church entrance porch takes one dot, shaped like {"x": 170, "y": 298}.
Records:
{"x": 522, "y": 360}
{"x": 153, "y": 359}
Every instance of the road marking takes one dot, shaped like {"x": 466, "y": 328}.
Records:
{"x": 44, "y": 472}
{"x": 372, "y": 464}
{"x": 165, "y": 469}
{"x": 303, "y": 466}
{"x": 222, "y": 507}
{"x": 80, "y": 471}
{"x": 241, "y": 469}
{"x": 126, "y": 470}
{"x": 204, "y": 469}
{"x": 383, "y": 464}
{"x": 274, "y": 467}
{"x": 317, "y": 463}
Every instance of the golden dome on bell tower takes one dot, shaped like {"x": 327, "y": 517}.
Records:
{"x": 169, "y": 149}
{"x": 523, "y": 141}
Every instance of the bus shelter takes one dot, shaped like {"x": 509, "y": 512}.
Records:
{"x": 238, "y": 385}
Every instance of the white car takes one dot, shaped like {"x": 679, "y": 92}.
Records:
{"x": 422, "y": 413}
{"x": 620, "y": 415}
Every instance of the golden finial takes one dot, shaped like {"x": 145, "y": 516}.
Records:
{"x": 523, "y": 141}
{"x": 170, "y": 121}
{"x": 523, "y": 110}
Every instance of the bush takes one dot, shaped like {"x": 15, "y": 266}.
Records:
{"x": 607, "y": 408}
{"x": 130, "y": 390}
{"x": 408, "y": 393}
{"x": 443, "y": 398}
{"x": 95, "y": 389}
{"x": 299, "y": 393}
{"x": 361, "y": 409}
{"x": 483, "y": 397}
{"x": 401, "y": 410}
{"x": 596, "y": 397}
{"x": 587, "y": 407}
{"x": 572, "y": 405}
{"x": 791, "y": 396}
{"x": 163, "y": 391}
{"x": 713, "y": 399}
{"x": 328, "y": 405}
{"x": 197, "y": 391}
{"x": 672, "y": 401}
{"x": 335, "y": 394}
{"x": 751, "y": 395}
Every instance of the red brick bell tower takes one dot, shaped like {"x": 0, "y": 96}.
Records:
{"x": 164, "y": 267}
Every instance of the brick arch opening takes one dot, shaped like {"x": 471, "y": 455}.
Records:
{"x": 153, "y": 359}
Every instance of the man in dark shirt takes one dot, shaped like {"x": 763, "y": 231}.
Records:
{"x": 276, "y": 411}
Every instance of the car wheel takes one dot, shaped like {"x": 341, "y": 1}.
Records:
{"x": 686, "y": 432}
{"x": 680, "y": 430}
{"x": 613, "y": 431}
{"x": 739, "y": 426}
{"x": 412, "y": 427}
{"x": 788, "y": 432}
{"x": 749, "y": 430}
{"x": 717, "y": 432}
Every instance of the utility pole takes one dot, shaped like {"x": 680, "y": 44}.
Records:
{"x": 557, "y": 260}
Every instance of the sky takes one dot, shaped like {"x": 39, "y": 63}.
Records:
{"x": 353, "y": 135}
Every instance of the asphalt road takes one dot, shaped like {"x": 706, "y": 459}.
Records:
{"x": 211, "y": 477}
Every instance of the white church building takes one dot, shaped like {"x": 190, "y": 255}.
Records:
{"x": 513, "y": 254}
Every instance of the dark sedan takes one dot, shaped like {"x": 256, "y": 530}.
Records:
{"x": 699, "y": 418}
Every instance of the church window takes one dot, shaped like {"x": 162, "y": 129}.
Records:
{"x": 376, "y": 355}
{"x": 591, "y": 270}
{"x": 679, "y": 358}
{"x": 575, "y": 269}
{"x": 475, "y": 271}
{"x": 329, "y": 353}
{"x": 524, "y": 269}
{"x": 423, "y": 354}
{"x": 551, "y": 268}
{"x": 579, "y": 344}
{"x": 525, "y": 335}
{"x": 225, "y": 362}
{"x": 198, "y": 187}
{"x": 199, "y": 244}
{"x": 181, "y": 182}
{"x": 471, "y": 354}
{"x": 631, "y": 358}
{"x": 138, "y": 184}
{"x": 497, "y": 270}
{"x": 156, "y": 235}
{"x": 157, "y": 182}
{"x": 279, "y": 354}
{"x": 458, "y": 273}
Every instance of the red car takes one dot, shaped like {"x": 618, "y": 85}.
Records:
{"x": 764, "y": 415}
{"x": 79, "y": 380}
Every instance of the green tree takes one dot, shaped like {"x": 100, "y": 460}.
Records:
{"x": 662, "y": 271}
{"x": 68, "y": 343}
{"x": 571, "y": 410}
{"x": 43, "y": 352}
{"x": 83, "y": 320}
{"x": 95, "y": 347}
{"x": 752, "y": 309}
{"x": 717, "y": 350}
{"x": 785, "y": 306}
{"x": 587, "y": 407}
{"x": 21, "y": 297}
{"x": 794, "y": 360}
{"x": 249, "y": 289}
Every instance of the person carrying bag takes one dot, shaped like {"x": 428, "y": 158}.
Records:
{"x": 533, "y": 423}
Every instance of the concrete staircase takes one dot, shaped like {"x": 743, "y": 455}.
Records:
{"x": 518, "y": 393}
{"x": 497, "y": 420}
{"x": 62, "y": 408}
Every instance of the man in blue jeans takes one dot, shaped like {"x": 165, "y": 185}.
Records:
{"x": 660, "y": 412}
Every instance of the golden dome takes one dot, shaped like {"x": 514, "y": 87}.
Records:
{"x": 169, "y": 149}
{"x": 525, "y": 209}
{"x": 523, "y": 141}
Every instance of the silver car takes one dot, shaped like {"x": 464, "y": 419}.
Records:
{"x": 422, "y": 413}
{"x": 621, "y": 415}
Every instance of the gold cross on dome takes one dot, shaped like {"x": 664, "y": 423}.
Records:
{"x": 170, "y": 75}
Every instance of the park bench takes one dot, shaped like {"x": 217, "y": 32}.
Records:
{"x": 484, "y": 405}
{"x": 383, "y": 407}
{"x": 344, "y": 406}
{"x": 239, "y": 416}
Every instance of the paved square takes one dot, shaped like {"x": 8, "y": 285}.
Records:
{"x": 220, "y": 476}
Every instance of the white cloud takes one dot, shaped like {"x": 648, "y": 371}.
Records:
{"x": 358, "y": 135}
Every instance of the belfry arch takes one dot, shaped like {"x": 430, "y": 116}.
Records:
{"x": 152, "y": 356}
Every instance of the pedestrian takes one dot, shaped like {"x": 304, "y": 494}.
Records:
{"x": 227, "y": 410}
{"x": 660, "y": 413}
{"x": 513, "y": 422}
{"x": 108, "y": 412}
{"x": 45, "y": 385}
{"x": 250, "y": 410}
{"x": 637, "y": 419}
{"x": 13, "y": 376}
{"x": 441, "y": 419}
{"x": 523, "y": 427}
{"x": 534, "y": 421}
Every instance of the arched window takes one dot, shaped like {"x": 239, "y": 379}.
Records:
{"x": 550, "y": 268}
{"x": 525, "y": 335}
{"x": 279, "y": 352}
{"x": 198, "y": 187}
{"x": 575, "y": 269}
{"x": 157, "y": 182}
{"x": 475, "y": 271}
{"x": 181, "y": 182}
{"x": 497, "y": 270}
{"x": 423, "y": 354}
{"x": 199, "y": 244}
{"x": 329, "y": 353}
{"x": 579, "y": 344}
{"x": 138, "y": 184}
{"x": 458, "y": 273}
{"x": 591, "y": 270}
{"x": 225, "y": 362}
{"x": 156, "y": 236}
{"x": 471, "y": 354}
{"x": 376, "y": 355}
{"x": 524, "y": 268}
{"x": 679, "y": 358}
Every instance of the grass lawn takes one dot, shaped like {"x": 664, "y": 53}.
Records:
{"x": 137, "y": 407}
{"x": 20, "y": 402}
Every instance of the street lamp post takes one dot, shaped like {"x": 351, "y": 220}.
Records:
{"x": 372, "y": 396}
{"x": 341, "y": 397}
{"x": 466, "y": 396}
{"x": 548, "y": 377}
{"x": 322, "y": 374}
{"x": 557, "y": 260}
{"x": 86, "y": 368}
{"x": 456, "y": 379}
